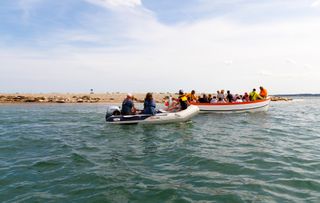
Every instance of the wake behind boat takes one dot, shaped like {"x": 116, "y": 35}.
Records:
{"x": 159, "y": 118}
{"x": 251, "y": 106}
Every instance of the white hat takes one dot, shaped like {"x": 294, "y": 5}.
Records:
{"x": 129, "y": 94}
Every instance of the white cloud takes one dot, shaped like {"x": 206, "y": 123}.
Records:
{"x": 190, "y": 56}
{"x": 158, "y": 57}
{"x": 307, "y": 67}
{"x": 315, "y": 3}
{"x": 291, "y": 61}
{"x": 228, "y": 62}
{"x": 117, "y": 3}
{"x": 26, "y": 6}
{"x": 265, "y": 73}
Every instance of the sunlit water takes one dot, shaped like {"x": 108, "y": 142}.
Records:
{"x": 67, "y": 153}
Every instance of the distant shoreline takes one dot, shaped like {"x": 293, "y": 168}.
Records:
{"x": 115, "y": 97}
{"x": 74, "y": 97}
{"x": 297, "y": 95}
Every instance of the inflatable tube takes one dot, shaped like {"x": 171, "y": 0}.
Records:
{"x": 159, "y": 118}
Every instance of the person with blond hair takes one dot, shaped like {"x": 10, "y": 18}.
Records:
{"x": 221, "y": 96}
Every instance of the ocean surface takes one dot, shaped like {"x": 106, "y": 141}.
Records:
{"x": 67, "y": 153}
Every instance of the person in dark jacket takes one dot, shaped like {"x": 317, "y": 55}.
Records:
{"x": 128, "y": 106}
{"x": 229, "y": 97}
{"x": 183, "y": 100}
{"x": 149, "y": 105}
{"x": 204, "y": 99}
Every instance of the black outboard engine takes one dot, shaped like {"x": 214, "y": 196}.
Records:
{"x": 112, "y": 111}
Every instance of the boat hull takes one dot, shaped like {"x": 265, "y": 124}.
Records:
{"x": 159, "y": 118}
{"x": 234, "y": 107}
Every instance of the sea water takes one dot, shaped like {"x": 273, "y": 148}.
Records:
{"x": 68, "y": 153}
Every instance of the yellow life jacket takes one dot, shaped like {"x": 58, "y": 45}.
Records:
{"x": 183, "y": 98}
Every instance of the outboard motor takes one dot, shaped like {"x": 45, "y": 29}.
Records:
{"x": 112, "y": 110}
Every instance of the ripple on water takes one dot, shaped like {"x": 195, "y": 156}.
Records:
{"x": 66, "y": 153}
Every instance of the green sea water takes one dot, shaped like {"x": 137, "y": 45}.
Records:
{"x": 67, "y": 153}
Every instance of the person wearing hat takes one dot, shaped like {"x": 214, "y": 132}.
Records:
{"x": 128, "y": 106}
{"x": 183, "y": 100}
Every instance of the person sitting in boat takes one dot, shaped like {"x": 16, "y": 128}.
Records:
{"x": 204, "y": 99}
{"x": 183, "y": 100}
{"x": 167, "y": 101}
{"x": 199, "y": 98}
{"x": 263, "y": 92}
{"x": 171, "y": 103}
{"x": 220, "y": 96}
{"x": 254, "y": 95}
{"x": 149, "y": 105}
{"x": 209, "y": 98}
{"x": 229, "y": 96}
{"x": 128, "y": 106}
{"x": 238, "y": 98}
{"x": 213, "y": 100}
{"x": 245, "y": 97}
{"x": 192, "y": 96}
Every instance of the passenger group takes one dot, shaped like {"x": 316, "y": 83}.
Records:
{"x": 221, "y": 97}
{"x": 149, "y": 104}
{"x": 183, "y": 100}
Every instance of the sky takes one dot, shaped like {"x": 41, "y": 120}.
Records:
{"x": 159, "y": 46}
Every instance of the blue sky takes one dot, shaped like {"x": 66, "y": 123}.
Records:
{"x": 151, "y": 45}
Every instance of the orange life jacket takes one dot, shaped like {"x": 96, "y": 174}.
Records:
{"x": 263, "y": 93}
